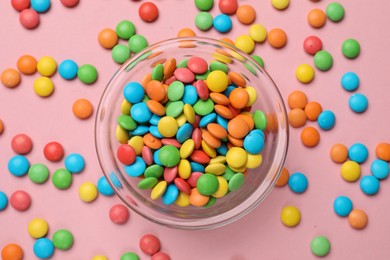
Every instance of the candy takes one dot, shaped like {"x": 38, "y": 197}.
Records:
{"x": 350, "y": 171}
{"x": 297, "y": 118}
{"x": 37, "y": 228}
{"x": 43, "y": 86}
{"x": 38, "y": 173}
{"x": 369, "y": 185}
{"x": 204, "y": 5}
{"x": 137, "y": 168}
{"x": 137, "y": 43}
{"x": 47, "y": 66}
{"x": 204, "y": 21}
{"x": 358, "y": 152}
{"x": 20, "y": 5}
{"x": 18, "y": 165}
{"x": 380, "y": 169}
{"x": 280, "y": 4}
{"x": 160, "y": 256}
{"x": 107, "y": 38}
{"x": 277, "y": 38}
{"x": 382, "y": 151}
{"x": 298, "y": 182}
{"x": 228, "y": 7}
{"x": 283, "y": 178}
{"x": 125, "y": 29}
{"x": 170, "y": 194}
{"x": 350, "y": 48}
{"x": 40, "y": 6}
{"x": 29, "y": 18}
{"x": 312, "y": 110}
{"x": 304, "y": 73}
{"x": 148, "y": 12}
{"x": 236, "y": 181}
{"x": 222, "y": 23}
{"x": 310, "y": 136}
{"x": 12, "y": 252}
{"x": 326, "y": 120}
{"x": 149, "y": 244}
{"x": 246, "y": 14}
{"x": 74, "y": 163}
{"x": 104, "y": 187}
{"x": 339, "y": 153}
{"x": 20, "y": 200}
{"x": 62, "y": 239}
{"x": 70, "y": 3}
{"x": 120, "y": 53}
{"x": 323, "y": 60}
{"x": 320, "y": 246}
{"x": 10, "y": 78}
{"x": 197, "y": 199}
{"x": 290, "y": 216}
{"x": 342, "y": 206}
{"x": 186, "y": 32}
{"x": 350, "y": 81}
{"x": 119, "y": 214}
{"x": 43, "y": 248}
{"x": 99, "y": 257}
{"x": 21, "y": 144}
{"x": 335, "y": 12}
{"x": 358, "y": 219}
{"x": 316, "y": 18}
{"x": 1, "y": 126}
{"x": 245, "y": 43}
{"x": 53, "y": 151}
{"x": 312, "y": 45}
{"x": 87, "y": 74}
{"x": 129, "y": 256}
{"x": 88, "y": 192}
{"x": 62, "y": 179}
{"x": 297, "y": 99}
{"x": 358, "y": 103}
{"x": 27, "y": 64}
{"x": 3, "y": 201}
{"x": 68, "y": 69}
{"x": 258, "y": 59}
{"x": 82, "y": 108}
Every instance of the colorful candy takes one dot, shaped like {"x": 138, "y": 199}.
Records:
{"x": 369, "y": 185}
{"x": 350, "y": 48}
{"x": 312, "y": 45}
{"x": 350, "y": 171}
{"x": 125, "y": 29}
{"x": 298, "y": 182}
{"x": 10, "y": 78}
{"x": 380, "y": 169}
{"x": 277, "y": 38}
{"x": 342, "y": 206}
{"x": 204, "y": 21}
{"x": 149, "y": 244}
{"x": 290, "y": 216}
{"x": 70, "y": 3}
{"x": 43, "y": 87}
{"x": 326, "y": 120}
{"x": 382, "y": 151}
{"x": 12, "y": 252}
{"x": 68, "y": 69}
{"x": 29, "y": 19}
{"x": 20, "y": 200}
{"x": 148, "y": 12}
{"x": 104, "y": 187}
{"x": 20, "y": 5}
{"x": 62, "y": 239}
{"x": 280, "y": 4}
{"x": 283, "y": 179}
{"x": 339, "y": 153}
{"x": 3, "y": 201}
{"x": 323, "y": 60}
{"x": 316, "y": 18}
{"x": 350, "y": 81}
{"x": 40, "y": 6}
{"x": 21, "y": 144}
{"x": 335, "y": 12}
{"x": 246, "y": 14}
{"x": 358, "y": 103}
{"x": 38, "y": 173}
{"x": 358, "y": 152}
{"x": 38, "y": 228}
{"x": 304, "y": 73}
{"x": 87, "y": 74}
{"x": 108, "y": 38}
{"x": 74, "y": 163}
{"x": 53, "y": 151}
{"x": 27, "y": 64}
{"x": 320, "y": 246}
{"x": 82, "y": 108}
{"x": 204, "y": 5}
{"x": 62, "y": 179}
{"x": 88, "y": 192}
{"x": 358, "y": 219}
{"x": 119, "y": 214}
{"x": 43, "y": 248}
{"x": 222, "y": 23}
{"x": 47, "y": 66}
{"x": 310, "y": 136}
{"x": 18, "y": 165}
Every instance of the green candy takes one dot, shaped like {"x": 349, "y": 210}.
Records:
{"x": 203, "y": 107}
{"x": 175, "y": 91}
{"x": 351, "y": 48}
{"x": 323, "y": 60}
{"x": 335, "y": 12}
{"x": 125, "y": 29}
{"x": 202, "y": 76}
{"x": 155, "y": 171}
{"x": 127, "y": 122}
{"x": 129, "y": 256}
{"x": 207, "y": 184}
{"x": 62, "y": 239}
{"x": 147, "y": 183}
{"x": 120, "y": 53}
{"x": 258, "y": 59}
{"x": 62, "y": 179}
{"x": 204, "y": 21}
{"x": 217, "y": 65}
{"x": 204, "y": 5}
{"x": 87, "y": 74}
{"x": 229, "y": 173}
{"x": 175, "y": 108}
{"x": 320, "y": 246}
{"x": 169, "y": 156}
{"x": 38, "y": 173}
{"x": 182, "y": 64}
{"x": 210, "y": 203}
{"x": 260, "y": 120}
{"x": 158, "y": 72}
{"x": 137, "y": 43}
{"x": 236, "y": 181}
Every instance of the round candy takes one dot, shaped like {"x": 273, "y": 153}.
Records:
{"x": 18, "y": 165}
{"x": 169, "y": 155}
{"x": 258, "y": 33}
{"x": 186, "y": 32}
{"x": 358, "y": 103}
{"x": 350, "y": 48}
{"x": 126, "y": 154}
{"x": 310, "y": 136}
{"x": 29, "y": 18}
{"x": 382, "y": 151}
{"x": 99, "y": 257}
{"x": 277, "y": 38}
{"x": 298, "y": 182}
{"x": 253, "y": 143}
{"x": 38, "y": 173}
{"x": 358, "y": 152}
{"x": 369, "y": 185}
{"x": 297, "y": 99}
{"x": 290, "y": 216}
{"x": 137, "y": 43}
{"x": 69, "y": 3}
{"x": 27, "y": 64}
{"x": 316, "y": 18}
{"x": 43, "y": 87}
{"x": 62, "y": 179}
{"x": 21, "y": 144}
{"x": 74, "y": 163}
{"x": 38, "y": 228}
{"x": 326, "y": 120}
{"x": 20, "y": 5}
{"x": 350, "y": 171}
{"x": 207, "y": 184}
{"x": 43, "y": 248}
{"x": 10, "y": 78}
{"x": 245, "y": 43}
{"x": 358, "y": 219}
{"x": 228, "y": 7}
{"x": 323, "y": 60}
{"x": 125, "y": 29}
{"x": 204, "y": 21}
{"x": 280, "y": 4}
{"x": 62, "y": 239}
{"x": 88, "y": 192}
{"x": 119, "y": 214}
{"x": 12, "y": 252}
{"x": 312, "y": 110}
{"x": 283, "y": 178}
{"x": 304, "y": 73}
{"x": 246, "y": 14}
{"x": 87, "y": 74}
{"x": 104, "y": 187}
{"x": 140, "y": 112}
{"x": 222, "y": 23}
{"x": 148, "y": 12}
{"x": 160, "y": 256}
{"x": 380, "y": 169}
{"x": 68, "y": 69}
{"x": 137, "y": 168}
{"x": 217, "y": 81}
{"x": 133, "y": 92}
{"x": 82, "y": 108}
{"x": 47, "y": 66}
{"x": 3, "y": 201}
{"x": 129, "y": 256}
{"x": 350, "y": 81}
{"x": 320, "y": 246}
{"x": 339, "y": 153}
{"x": 149, "y": 244}
{"x": 204, "y": 5}
{"x": 120, "y": 53}
{"x": 53, "y": 151}
{"x": 20, "y": 200}
{"x": 40, "y": 6}
{"x": 312, "y": 45}
{"x": 335, "y": 12}
{"x": 342, "y": 206}
{"x": 107, "y": 38}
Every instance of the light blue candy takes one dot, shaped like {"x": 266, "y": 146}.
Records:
{"x": 210, "y": 118}
{"x": 154, "y": 119}
{"x": 43, "y": 248}
{"x": 68, "y": 69}
{"x": 74, "y": 163}
{"x": 155, "y": 157}
{"x": 3, "y": 201}
{"x": 253, "y": 143}
{"x": 133, "y": 92}
{"x": 358, "y": 152}
{"x": 170, "y": 194}
{"x": 140, "y": 130}
{"x": 298, "y": 182}
{"x": 115, "y": 180}
{"x": 104, "y": 187}
{"x": 190, "y": 95}
{"x": 222, "y": 150}
{"x": 358, "y": 103}
{"x": 154, "y": 131}
{"x": 228, "y": 90}
{"x": 342, "y": 206}
{"x": 222, "y": 23}
{"x": 380, "y": 169}
{"x": 137, "y": 168}
{"x": 259, "y": 132}
{"x": 350, "y": 81}
{"x": 184, "y": 132}
{"x": 326, "y": 120}
{"x": 369, "y": 185}
{"x": 222, "y": 122}
{"x": 18, "y": 165}
{"x": 196, "y": 167}
{"x": 140, "y": 112}
{"x": 40, "y": 6}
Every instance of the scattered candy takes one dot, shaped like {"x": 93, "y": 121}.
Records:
{"x": 101, "y": 257}
{"x": 68, "y": 69}
{"x": 10, "y": 78}
{"x": 297, "y": 99}
{"x": 258, "y": 33}
{"x": 316, "y": 18}
{"x": 62, "y": 179}
{"x": 204, "y": 5}
{"x": 18, "y": 165}
{"x": 283, "y": 179}
{"x": 204, "y": 21}
{"x": 148, "y": 12}
{"x": 312, "y": 45}
{"x": 228, "y": 7}
{"x": 40, "y": 6}
{"x": 53, "y": 151}
{"x": 339, "y": 153}
{"x": 62, "y": 239}
{"x": 357, "y": 219}
{"x": 304, "y": 73}
{"x": 29, "y": 18}
{"x": 87, "y": 74}
{"x": 27, "y": 64}
{"x": 88, "y": 192}
{"x": 104, "y": 187}
{"x": 21, "y": 144}
{"x": 222, "y": 23}
{"x": 326, "y": 120}
{"x": 298, "y": 182}
{"x": 70, "y": 3}
{"x": 290, "y": 216}
{"x": 350, "y": 48}
{"x": 380, "y": 169}
{"x": 350, "y": 81}
{"x": 277, "y": 38}
{"x": 335, "y": 12}
{"x": 12, "y": 252}
{"x": 323, "y": 60}
{"x": 129, "y": 256}
{"x": 312, "y": 110}
{"x": 82, "y": 108}
{"x": 38, "y": 173}
{"x": 350, "y": 171}
{"x": 297, "y": 118}
{"x": 37, "y": 228}
{"x": 137, "y": 43}
{"x": 1, "y": 126}
{"x": 382, "y": 151}
{"x": 20, "y": 5}
{"x": 43, "y": 87}
{"x": 186, "y": 32}
{"x": 149, "y": 244}
{"x": 245, "y": 43}
{"x": 47, "y": 66}
{"x": 119, "y": 214}
{"x": 20, "y": 200}
{"x": 358, "y": 152}
{"x": 74, "y": 163}
{"x": 107, "y": 38}
{"x": 310, "y": 136}
{"x": 246, "y": 14}
{"x": 342, "y": 206}
{"x": 320, "y": 246}
{"x": 358, "y": 103}
{"x": 369, "y": 185}
{"x": 120, "y": 53}
{"x": 160, "y": 256}
{"x": 125, "y": 29}
{"x": 43, "y": 248}
{"x": 280, "y": 4}
{"x": 3, "y": 201}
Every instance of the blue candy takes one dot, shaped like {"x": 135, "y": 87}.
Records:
{"x": 184, "y": 132}
{"x": 222, "y": 23}
{"x": 228, "y": 90}
{"x": 342, "y": 206}
{"x": 298, "y": 182}
{"x": 222, "y": 122}
{"x": 137, "y": 168}
{"x": 222, "y": 150}
{"x": 155, "y": 157}
{"x": 326, "y": 120}
{"x": 190, "y": 95}
{"x": 358, "y": 103}
{"x": 40, "y": 6}
{"x": 369, "y": 185}
{"x": 140, "y": 130}
{"x": 380, "y": 169}
{"x": 350, "y": 81}
{"x": 170, "y": 194}
{"x": 68, "y": 69}
{"x": 358, "y": 152}
{"x": 140, "y": 112}
{"x": 133, "y": 92}
{"x": 74, "y": 163}
{"x": 196, "y": 167}
{"x": 259, "y": 132}
{"x": 253, "y": 143}
{"x": 18, "y": 165}
{"x": 154, "y": 131}
{"x": 207, "y": 119}
{"x": 104, "y": 187}
{"x": 154, "y": 119}
{"x": 115, "y": 180}
{"x": 3, "y": 201}
{"x": 43, "y": 248}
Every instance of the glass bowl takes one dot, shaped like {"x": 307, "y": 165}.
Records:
{"x": 258, "y": 182}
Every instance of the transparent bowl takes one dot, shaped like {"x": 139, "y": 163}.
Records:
{"x": 258, "y": 182}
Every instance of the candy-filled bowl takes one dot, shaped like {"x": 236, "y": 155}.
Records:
{"x": 191, "y": 133}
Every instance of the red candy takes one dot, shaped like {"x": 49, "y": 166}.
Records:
{"x": 312, "y": 45}
{"x": 53, "y": 151}
{"x": 197, "y": 137}
{"x": 126, "y": 154}
{"x": 20, "y": 200}
{"x": 119, "y": 214}
{"x": 185, "y": 75}
{"x": 170, "y": 174}
{"x": 149, "y": 244}
{"x": 148, "y": 12}
{"x": 29, "y": 18}
{"x": 147, "y": 155}
{"x": 197, "y": 65}
{"x": 228, "y": 7}
{"x": 160, "y": 256}
{"x": 21, "y": 144}
{"x": 69, "y": 3}
{"x": 193, "y": 179}
{"x": 20, "y": 5}
{"x": 202, "y": 89}
{"x": 171, "y": 141}
{"x": 182, "y": 185}
{"x": 200, "y": 157}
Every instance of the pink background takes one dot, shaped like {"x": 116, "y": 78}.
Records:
{"x": 72, "y": 34}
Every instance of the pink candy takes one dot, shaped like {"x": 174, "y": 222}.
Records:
{"x": 184, "y": 75}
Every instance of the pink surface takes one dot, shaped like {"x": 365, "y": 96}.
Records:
{"x": 72, "y": 34}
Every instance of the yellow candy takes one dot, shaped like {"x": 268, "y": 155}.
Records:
{"x": 167, "y": 126}
{"x": 218, "y": 159}
{"x": 223, "y": 187}
{"x": 137, "y": 142}
{"x": 121, "y": 135}
{"x": 158, "y": 190}
{"x": 125, "y": 107}
{"x": 280, "y": 4}
{"x": 46, "y": 66}
{"x": 245, "y": 43}
{"x": 217, "y": 81}
{"x": 183, "y": 199}
{"x": 37, "y": 228}
{"x": 350, "y": 171}
{"x": 237, "y": 56}
{"x": 208, "y": 150}
{"x": 184, "y": 169}
{"x": 258, "y": 33}
{"x": 43, "y": 86}
{"x": 252, "y": 95}
{"x": 216, "y": 168}
{"x": 236, "y": 157}
{"x": 290, "y": 216}
{"x": 253, "y": 161}
{"x": 88, "y": 192}
{"x": 181, "y": 120}
{"x": 222, "y": 58}
{"x": 189, "y": 113}
{"x": 99, "y": 257}
{"x": 241, "y": 169}
{"x": 187, "y": 148}
{"x": 304, "y": 73}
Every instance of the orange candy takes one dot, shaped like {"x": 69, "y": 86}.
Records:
{"x": 283, "y": 178}
{"x": 219, "y": 98}
{"x": 358, "y": 219}
{"x": 235, "y": 142}
{"x": 186, "y": 32}
{"x": 246, "y": 14}
{"x": 217, "y": 130}
{"x": 211, "y": 140}
{"x": 237, "y": 79}
{"x": 82, "y": 108}
{"x": 239, "y": 97}
{"x": 155, "y": 90}
{"x": 277, "y": 38}
{"x": 316, "y": 18}
{"x": 297, "y": 117}
{"x": 151, "y": 141}
{"x": 12, "y": 252}
{"x": 297, "y": 99}
{"x": 169, "y": 67}
{"x": 1, "y": 126}
{"x": 10, "y": 78}
{"x": 227, "y": 40}
{"x": 238, "y": 128}
{"x": 223, "y": 111}
{"x": 108, "y": 38}
{"x": 27, "y": 64}
{"x": 146, "y": 79}
{"x": 248, "y": 119}
{"x": 156, "y": 107}
{"x": 197, "y": 199}
{"x": 383, "y": 151}
{"x": 312, "y": 110}
{"x": 339, "y": 153}
{"x": 310, "y": 136}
